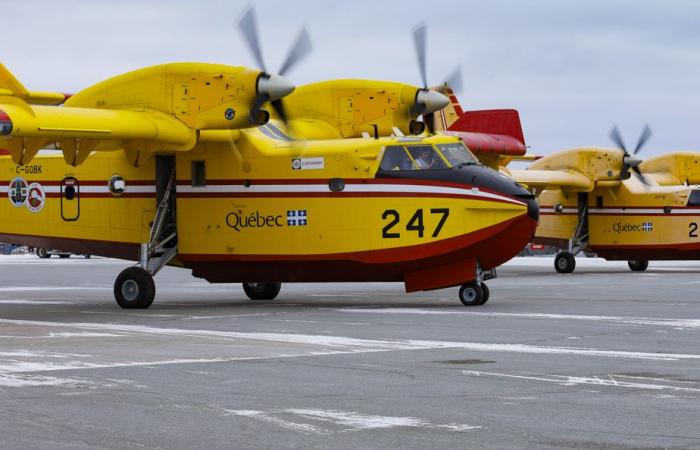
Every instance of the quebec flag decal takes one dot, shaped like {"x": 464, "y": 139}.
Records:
{"x": 647, "y": 226}
{"x": 296, "y": 218}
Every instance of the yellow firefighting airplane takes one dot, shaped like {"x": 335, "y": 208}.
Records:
{"x": 180, "y": 164}
{"x": 588, "y": 199}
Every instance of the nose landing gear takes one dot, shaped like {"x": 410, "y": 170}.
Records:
{"x": 262, "y": 291}
{"x": 476, "y": 293}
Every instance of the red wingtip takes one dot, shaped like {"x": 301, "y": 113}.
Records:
{"x": 66, "y": 96}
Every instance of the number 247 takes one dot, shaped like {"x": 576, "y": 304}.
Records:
{"x": 415, "y": 223}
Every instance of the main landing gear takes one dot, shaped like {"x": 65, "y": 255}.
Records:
{"x": 262, "y": 291}
{"x": 134, "y": 287}
{"x": 564, "y": 262}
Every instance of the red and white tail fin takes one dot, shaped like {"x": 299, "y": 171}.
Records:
{"x": 490, "y": 131}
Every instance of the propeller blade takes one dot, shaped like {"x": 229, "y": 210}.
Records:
{"x": 300, "y": 49}
{"x": 279, "y": 109}
{"x": 454, "y": 81}
{"x": 249, "y": 29}
{"x": 617, "y": 139}
{"x": 640, "y": 176}
{"x": 643, "y": 138}
{"x": 419, "y": 39}
{"x": 429, "y": 120}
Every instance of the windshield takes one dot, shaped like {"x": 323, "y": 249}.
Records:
{"x": 424, "y": 157}
{"x": 457, "y": 154}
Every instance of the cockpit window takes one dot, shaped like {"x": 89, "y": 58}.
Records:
{"x": 425, "y": 157}
{"x": 457, "y": 154}
{"x": 396, "y": 158}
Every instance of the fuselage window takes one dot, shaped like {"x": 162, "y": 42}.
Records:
{"x": 198, "y": 174}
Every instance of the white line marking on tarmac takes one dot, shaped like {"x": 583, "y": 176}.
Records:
{"x": 52, "y": 288}
{"x": 30, "y": 302}
{"x": 574, "y": 380}
{"x": 356, "y": 345}
{"x": 287, "y": 425}
{"x": 675, "y": 323}
{"x": 347, "y": 421}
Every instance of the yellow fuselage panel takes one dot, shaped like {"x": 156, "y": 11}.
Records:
{"x": 626, "y": 214}
{"x": 93, "y": 214}
{"x": 645, "y": 228}
{"x": 333, "y": 224}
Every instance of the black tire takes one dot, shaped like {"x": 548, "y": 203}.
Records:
{"x": 42, "y": 253}
{"x": 88, "y": 256}
{"x": 64, "y": 256}
{"x": 485, "y": 293}
{"x": 471, "y": 294}
{"x": 638, "y": 265}
{"x": 564, "y": 262}
{"x": 262, "y": 291}
{"x": 134, "y": 288}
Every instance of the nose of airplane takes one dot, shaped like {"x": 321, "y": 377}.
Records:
{"x": 274, "y": 86}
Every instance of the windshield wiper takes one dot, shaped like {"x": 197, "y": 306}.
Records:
{"x": 468, "y": 163}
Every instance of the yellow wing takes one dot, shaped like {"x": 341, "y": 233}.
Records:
{"x": 24, "y": 129}
{"x": 553, "y": 179}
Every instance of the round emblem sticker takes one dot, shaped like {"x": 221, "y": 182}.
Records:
{"x": 17, "y": 191}
{"x": 36, "y": 197}
{"x": 229, "y": 113}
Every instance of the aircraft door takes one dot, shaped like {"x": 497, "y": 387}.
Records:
{"x": 70, "y": 199}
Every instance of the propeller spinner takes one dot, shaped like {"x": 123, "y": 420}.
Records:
{"x": 631, "y": 161}
{"x": 271, "y": 87}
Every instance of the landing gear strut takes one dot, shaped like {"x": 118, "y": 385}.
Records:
{"x": 565, "y": 261}
{"x": 134, "y": 287}
{"x": 262, "y": 291}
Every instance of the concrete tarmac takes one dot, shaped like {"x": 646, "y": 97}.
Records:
{"x": 601, "y": 358}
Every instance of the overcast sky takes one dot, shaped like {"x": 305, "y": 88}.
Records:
{"x": 572, "y": 68}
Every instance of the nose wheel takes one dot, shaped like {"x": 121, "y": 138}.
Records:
{"x": 262, "y": 291}
{"x": 638, "y": 265}
{"x": 474, "y": 293}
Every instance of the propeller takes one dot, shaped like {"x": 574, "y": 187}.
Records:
{"x": 428, "y": 101}
{"x": 271, "y": 87}
{"x": 631, "y": 161}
